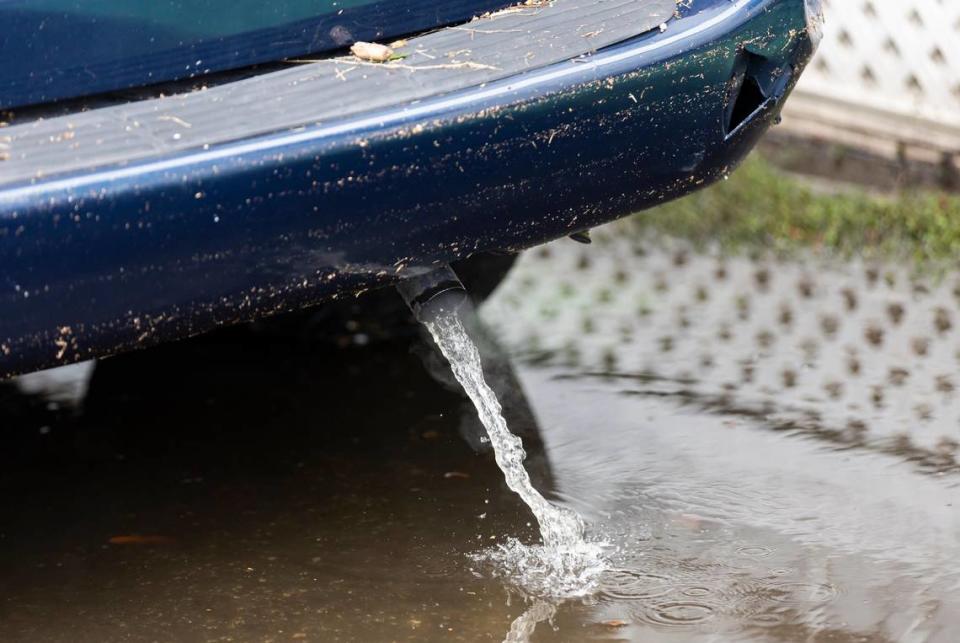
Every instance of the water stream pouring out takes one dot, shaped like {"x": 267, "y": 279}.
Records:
{"x": 566, "y": 563}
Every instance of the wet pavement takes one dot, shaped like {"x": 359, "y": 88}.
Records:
{"x": 768, "y": 448}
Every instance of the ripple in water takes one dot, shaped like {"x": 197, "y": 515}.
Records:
{"x": 628, "y": 584}
{"x": 797, "y": 593}
{"x": 766, "y": 619}
{"x": 696, "y": 592}
{"x": 679, "y": 613}
{"x": 754, "y": 551}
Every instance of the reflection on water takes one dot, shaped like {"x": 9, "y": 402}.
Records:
{"x": 768, "y": 449}
{"x": 770, "y": 446}
{"x": 525, "y": 625}
{"x": 730, "y": 529}
{"x": 856, "y": 354}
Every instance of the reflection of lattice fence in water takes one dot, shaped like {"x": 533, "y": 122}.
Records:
{"x": 887, "y": 68}
{"x": 861, "y": 355}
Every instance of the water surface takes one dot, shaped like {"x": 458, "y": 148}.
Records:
{"x": 767, "y": 461}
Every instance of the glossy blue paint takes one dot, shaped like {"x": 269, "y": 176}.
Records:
{"x": 57, "y": 49}
{"x": 122, "y": 257}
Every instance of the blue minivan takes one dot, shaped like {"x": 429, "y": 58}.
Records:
{"x": 173, "y": 166}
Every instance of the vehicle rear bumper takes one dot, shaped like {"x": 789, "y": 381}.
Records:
{"x": 123, "y": 256}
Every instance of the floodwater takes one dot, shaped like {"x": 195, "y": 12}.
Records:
{"x": 767, "y": 449}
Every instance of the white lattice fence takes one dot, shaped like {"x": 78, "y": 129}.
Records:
{"x": 888, "y": 71}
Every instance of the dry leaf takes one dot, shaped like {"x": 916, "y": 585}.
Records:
{"x": 371, "y": 51}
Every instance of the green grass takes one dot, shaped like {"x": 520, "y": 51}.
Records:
{"x": 761, "y": 208}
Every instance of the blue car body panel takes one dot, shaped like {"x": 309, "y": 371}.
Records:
{"x": 125, "y": 256}
{"x": 57, "y": 49}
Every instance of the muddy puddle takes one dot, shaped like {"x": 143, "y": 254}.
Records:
{"x": 768, "y": 450}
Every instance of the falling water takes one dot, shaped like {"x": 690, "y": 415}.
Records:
{"x": 567, "y": 563}
{"x": 558, "y": 527}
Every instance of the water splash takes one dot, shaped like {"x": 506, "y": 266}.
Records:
{"x": 566, "y": 564}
